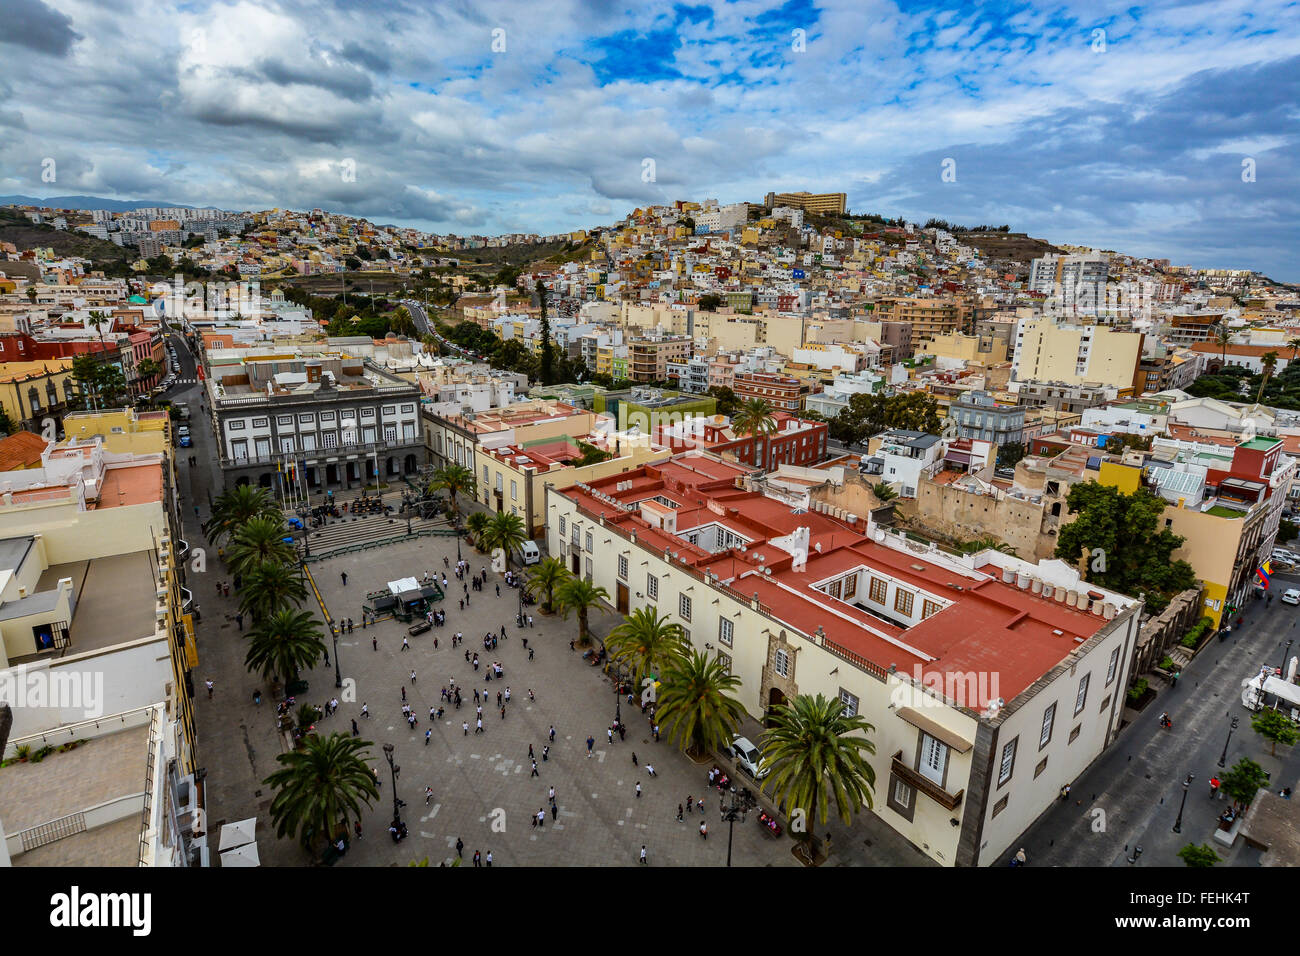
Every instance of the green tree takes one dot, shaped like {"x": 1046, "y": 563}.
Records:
{"x": 284, "y": 644}
{"x": 98, "y": 319}
{"x": 455, "y": 480}
{"x": 727, "y": 402}
{"x": 505, "y": 530}
{"x": 257, "y": 541}
{"x": 818, "y": 753}
{"x": 85, "y": 372}
{"x": 646, "y": 643}
{"x": 915, "y": 411}
{"x": 271, "y": 587}
{"x": 578, "y": 595}
{"x": 1222, "y": 337}
{"x": 1269, "y": 361}
{"x": 696, "y": 703}
{"x": 548, "y": 350}
{"x": 1199, "y": 855}
{"x": 709, "y": 302}
{"x": 544, "y": 577}
{"x": 146, "y": 370}
{"x": 883, "y": 491}
{"x": 1275, "y": 727}
{"x": 7, "y": 424}
{"x": 1244, "y": 780}
{"x": 754, "y": 418}
{"x": 1125, "y": 544}
{"x": 1010, "y": 453}
{"x": 321, "y": 788}
{"x": 235, "y": 507}
{"x": 476, "y": 524}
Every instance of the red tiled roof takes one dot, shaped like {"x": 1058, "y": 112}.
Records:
{"x": 21, "y": 450}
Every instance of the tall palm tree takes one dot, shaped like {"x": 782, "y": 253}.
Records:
{"x": 1269, "y": 361}
{"x": 754, "y": 418}
{"x": 816, "y": 752}
{"x": 1294, "y": 346}
{"x": 270, "y": 587}
{"x": 1222, "y": 336}
{"x": 284, "y": 644}
{"x": 883, "y": 491}
{"x": 476, "y": 524}
{"x": 696, "y": 703}
{"x": 236, "y": 506}
{"x": 580, "y": 595}
{"x": 546, "y": 575}
{"x": 257, "y": 541}
{"x": 98, "y": 319}
{"x": 455, "y": 480}
{"x": 646, "y": 642}
{"x": 320, "y": 788}
{"x": 505, "y": 530}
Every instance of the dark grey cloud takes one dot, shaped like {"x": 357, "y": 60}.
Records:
{"x": 34, "y": 25}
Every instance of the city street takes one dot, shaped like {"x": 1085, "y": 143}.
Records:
{"x": 1130, "y": 797}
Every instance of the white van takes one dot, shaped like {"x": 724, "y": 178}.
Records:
{"x": 530, "y": 552}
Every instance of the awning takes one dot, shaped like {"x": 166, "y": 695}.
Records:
{"x": 237, "y": 834}
{"x": 403, "y": 584}
{"x": 934, "y": 729}
{"x": 245, "y": 855}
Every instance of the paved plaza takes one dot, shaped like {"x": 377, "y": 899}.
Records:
{"x": 483, "y": 789}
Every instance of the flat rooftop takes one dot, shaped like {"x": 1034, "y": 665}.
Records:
{"x": 97, "y": 772}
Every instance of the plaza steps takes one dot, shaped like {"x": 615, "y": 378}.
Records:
{"x": 348, "y": 534}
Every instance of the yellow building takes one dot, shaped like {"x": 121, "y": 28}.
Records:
{"x": 124, "y": 431}
{"x": 1047, "y": 351}
{"x": 29, "y": 391}
{"x": 981, "y": 349}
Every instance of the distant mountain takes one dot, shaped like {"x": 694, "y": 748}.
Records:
{"x": 93, "y": 202}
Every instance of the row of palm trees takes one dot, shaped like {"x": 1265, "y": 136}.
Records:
{"x": 321, "y": 786}
{"x": 816, "y": 752}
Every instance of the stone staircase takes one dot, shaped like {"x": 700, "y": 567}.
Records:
{"x": 345, "y": 533}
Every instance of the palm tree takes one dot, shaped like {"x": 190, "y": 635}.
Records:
{"x": 580, "y": 595}
{"x": 455, "y": 480}
{"x": 695, "y": 702}
{"x": 270, "y": 587}
{"x": 883, "y": 491}
{"x": 320, "y": 788}
{"x": 646, "y": 642}
{"x": 235, "y": 507}
{"x": 754, "y": 418}
{"x": 816, "y": 752}
{"x": 505, "y": 530}
{"x": 545, "y": 577}
{"x": 1294, "y": 346}
{"x": 1269, "y": 361}
{"x": 476, "y": 524}
{"x": 1222, "y": 336}
{"x": 259, "y": 540}
{"x": 98, "y": 319}
{"x": 284, "y": 644}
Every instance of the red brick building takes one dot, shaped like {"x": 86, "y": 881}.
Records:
{"x": 796, "y": 441}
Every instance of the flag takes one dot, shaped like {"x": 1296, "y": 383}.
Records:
{"x": 1265, "y": 572}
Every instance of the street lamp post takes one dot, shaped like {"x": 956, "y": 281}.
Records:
{"x": 393, "y": 769}
{"x": 618, "y": 695}
{"x": 1223, "y": 757}
{"x": 338, "y": 675}
{"x": 1178, "y": 824}
{"x": 1286, "y": 652}
{"x": 741, "y": 804}
{"x": 455, "y": 516}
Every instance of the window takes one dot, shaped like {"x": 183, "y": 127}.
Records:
{"x": 235, "y": 426}
{"x": 930, "y": 607}
{"x": 239, "y": 449}
{"x": 1082, "y": 696}
{"x": 684, "y": 607}
{"x": 1045, "y": 735}
{"x": 261, "y": 422}
{"x": 1008, "y": 764}
{"x": 329, "y": 440}
{"x": 388, "y": 410}
{"x": 903, "y": 602}
{"x": 724, "y": 660}
{"x": 562, "y": 523}
{"x": 486, "y": 477}
{"x": 588, "y": 570}
{"x": 725, "y": 631}
{"x": 934, "y": 758}
{"x": 902, "y": 794}
{"x": 285, "y": 419}
{"x": 286, "y": 444}
{"x": 622, "y": 558}
{"x": 390, "y": 433}
{"x": 850, "y": 586}
{"x": 1075, "y": 733}
{"x": 588, "y": 542}
{"x": 308, "y": 442}
{"x": 368, "y": 435}
{"x": 878, "y": 590}
{"x": 1042, "y": 765}
{"x": 307, "y": 419}
{"x": 327, "y": 416}
{"x": 652, "y": 587}
{"x": 850, "y": 703}
{"x": 1001, "y": 805}
{"x": 498, "y": 488}
{"x": 514, "y": 496}
{"x": 408, "y": 409}
{"x": 1112, "y": 666}
{"x": 833, "y": 589}
{"x": 408, "y": 431}
{"x": 781, "y": 662}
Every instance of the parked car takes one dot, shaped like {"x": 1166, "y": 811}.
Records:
{"x": 1289, "y": 557}
{"x": 748, "y": 758}
{"x": 1292, "y": 596}
{"x": 186, "y": 441}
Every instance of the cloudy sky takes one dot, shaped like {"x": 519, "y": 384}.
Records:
{"x": 1167, "y": 129}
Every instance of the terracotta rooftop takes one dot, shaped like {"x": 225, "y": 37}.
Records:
{"x": 21, "y": 450}
{"x": 133, "y": 485}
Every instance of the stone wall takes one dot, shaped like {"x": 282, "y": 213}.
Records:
{"x": 1160, "y": 633}
{"x": 952, "y": 514}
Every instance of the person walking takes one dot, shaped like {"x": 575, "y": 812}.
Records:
{"x": 488, "y": 859}
{"x": 609, "y": 732}
{"x": 428, "y": 795}
{"x": 679, "y": 813}
{"x": 478, "y": 726}
{"x": 356, "y": 731}
{"x": 374, "y": 642}
{"x": 412, "y": 677}
{"x": 700, "y": 804}
{"x": 344, "y": 576}
{"x": 591, "y": 742}
{"x": 550, "y": 794}
{"x": 460, "y": 847}
{"x": 530, "y": 653}
{"x": 541, "y": 818}
{"x": 534, "y": 773}
{"x": 239, "y": 619}
{"x": 406, "y": 643}
{"x": 634, "y": 763}
{"x": 638, "y": 789}
{"x": 403, "y": 692}
{"x": 478, "y": 859}
{"x": 552, "y": 734}
{"x": 704, "y": 830}
{"x": 428, "y": 733}
{"x": 208, "y": 683}
{"x": 465, "y": 724}
{"x": 642, "y": 852}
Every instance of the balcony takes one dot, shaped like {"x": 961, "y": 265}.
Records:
{"x": 914, "y": 778}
